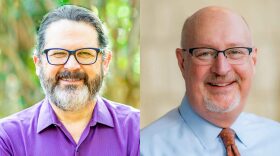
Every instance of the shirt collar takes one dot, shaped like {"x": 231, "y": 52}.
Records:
{"x": 206, "y": 132}
{"x": 101, "y": 114}
{"x": 239, "y": 126}
{"x": 48, "y": 117}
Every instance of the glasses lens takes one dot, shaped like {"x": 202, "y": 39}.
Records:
{"x": 86, "y": 56}
{"x": 237, "y": 55}
{"x": 57, "y": 56}
{"x": 204, "y": 56}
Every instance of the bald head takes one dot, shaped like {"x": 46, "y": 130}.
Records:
{"x": 215, "y": 24}
{"x": 217, "y": 90}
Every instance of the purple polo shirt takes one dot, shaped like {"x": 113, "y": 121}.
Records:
{"x": 36, "y": 131}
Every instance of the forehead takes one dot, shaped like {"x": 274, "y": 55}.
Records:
{"x": 71, "y": 35}
{"x": 219, "y": 30}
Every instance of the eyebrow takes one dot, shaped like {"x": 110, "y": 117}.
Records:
{"x": 240, "y": 44}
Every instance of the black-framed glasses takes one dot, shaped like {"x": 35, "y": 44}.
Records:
{"x": 206, "y": 56}
{"x": 60, "y": 56}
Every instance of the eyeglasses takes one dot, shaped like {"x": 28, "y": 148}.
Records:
{"x": 206, "y": 56}
{"x": 85, "y": 56}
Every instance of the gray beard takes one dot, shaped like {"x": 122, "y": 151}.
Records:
{"x": 233, "y": 102}
{"x": 214, "y": 107}
{"x": 70, "y": 97}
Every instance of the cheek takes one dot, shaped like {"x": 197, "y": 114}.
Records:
{"x": 245, "y": 75}
{"x": 195, "y": 86}
{"x": 195, "y": 78}
{"x": 50, "y": 70}
{"x": 93, "y": 70}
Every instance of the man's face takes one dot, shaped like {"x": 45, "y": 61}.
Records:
{"x": 71, "y": 86}
{"x": 220, "y": 87}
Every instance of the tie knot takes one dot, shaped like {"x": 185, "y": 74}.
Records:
{"x": 227, "y": 136}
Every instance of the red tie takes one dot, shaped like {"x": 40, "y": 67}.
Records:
{"x": 228, "y": 136}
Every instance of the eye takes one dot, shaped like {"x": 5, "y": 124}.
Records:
{"x": 236, "y": 53}
{"x": 85, "y": 54}
{"x": 204, "y": 53}
{"x": 57, "y": 53}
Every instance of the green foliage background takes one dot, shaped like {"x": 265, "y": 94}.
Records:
{"x": 19, "y": 20}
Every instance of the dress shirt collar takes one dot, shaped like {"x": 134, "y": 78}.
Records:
{"x": 101, "y": 114}
{"x": 48, "y": 117}
{"x": 239, "y": 126}
{"x": 206, "y": 132}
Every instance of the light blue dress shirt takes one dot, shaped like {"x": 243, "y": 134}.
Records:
{"x": 182, "y": 132}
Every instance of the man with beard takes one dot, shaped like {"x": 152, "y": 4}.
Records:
{"x": 71, "y": 60}
{"x": 217, "y": 60}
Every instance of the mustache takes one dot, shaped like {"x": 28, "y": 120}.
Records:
{"x": 222, "y": 78}
{"x": 72, "y": 75}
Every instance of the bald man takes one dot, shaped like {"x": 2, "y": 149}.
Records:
{"x": 217, "y": 60}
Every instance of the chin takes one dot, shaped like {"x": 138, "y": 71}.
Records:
{"x": 222, "y": 105}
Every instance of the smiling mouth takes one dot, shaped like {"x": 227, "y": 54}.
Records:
{"x": 224, "y": 84}
{"x": 70, "y": 80}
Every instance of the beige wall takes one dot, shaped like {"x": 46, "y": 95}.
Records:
{"x": 162, "y": 86}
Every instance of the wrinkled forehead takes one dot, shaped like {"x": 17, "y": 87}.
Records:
{"x": 216, "y": 27}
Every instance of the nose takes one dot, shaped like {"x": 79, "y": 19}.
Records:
{"x": 220, "y": 65}
{"x": 72, "y": 64}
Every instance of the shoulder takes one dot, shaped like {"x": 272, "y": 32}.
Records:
{"x": 169, "y": 122}
{"x": 165, "y": 129}
{"x": 258, "y": 133}
{"x": 253, "y": 119}
{"x": 13, "y": 127}
{"x": 259, "y": 123}
{"x": 122, "y": 112}
{"x": 163, "y": 136}
{"x": 250, "y": 125}
{"x": 125, "y": 118}
{"x": 126, "y": 121}
{"x": 20, "y": 119}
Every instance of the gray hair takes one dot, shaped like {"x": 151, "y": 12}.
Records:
{"x": 73, "y": 13}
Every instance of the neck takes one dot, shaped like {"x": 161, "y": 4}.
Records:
{"x": 83, "y": 114}
{"x": 75, "y": 121}
{"x": 226, "y": 122}
{"x": 223, "y": 120}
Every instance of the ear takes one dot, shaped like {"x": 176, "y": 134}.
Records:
{"x": 254, "y": 57}
{"x": 255, "y": 54}
{"x": 180, "y": 60}
{"x": 106, "y": 61}
{"x": 36, "y": 61}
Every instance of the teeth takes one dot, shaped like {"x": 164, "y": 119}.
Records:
{"x": 220, "y": 84}
{"x": 70, "y": 79}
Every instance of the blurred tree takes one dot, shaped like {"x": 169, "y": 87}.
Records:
{"x": 19, "y": 20}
